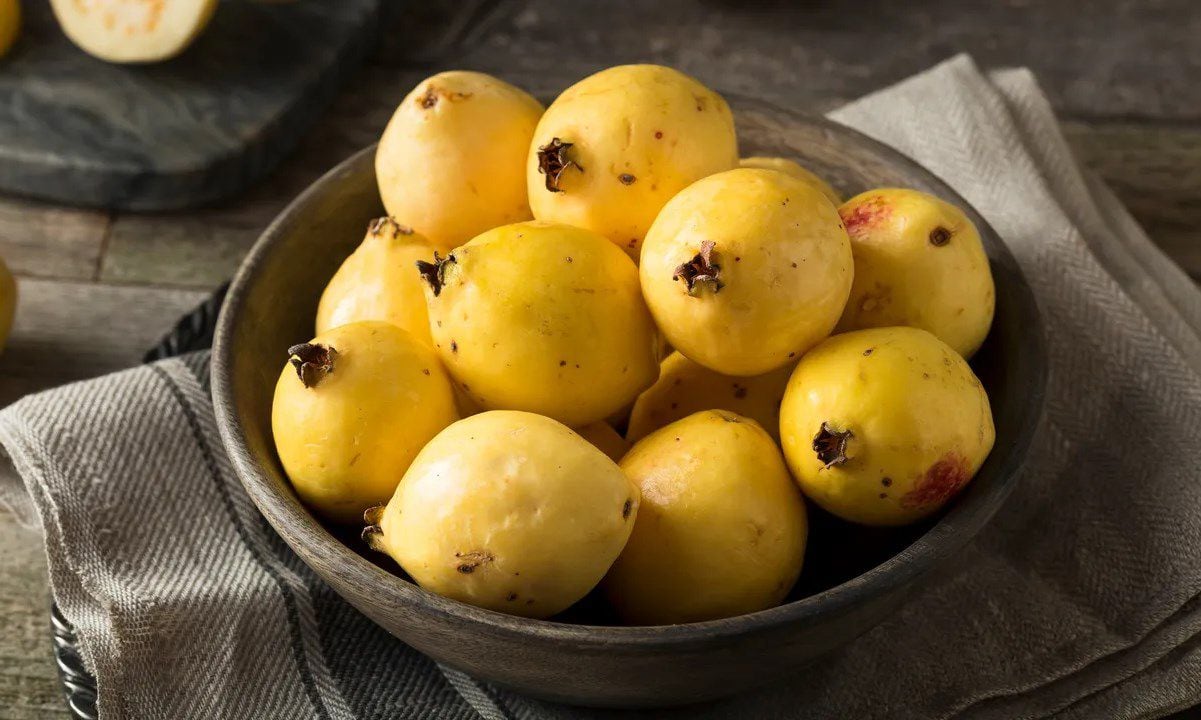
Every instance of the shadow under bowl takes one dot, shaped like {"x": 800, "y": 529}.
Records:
{"x": 853, "y": 578}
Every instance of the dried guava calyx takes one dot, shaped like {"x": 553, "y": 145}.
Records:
{"x": 701, "y": 270}
{"x": 313, "y": 361}
{"x": 387, "y": 225}
{"x": 553, "y": 161}
{"x": 830, "y": 445}
{"x": 373, "y": 534}
{"x": 434, "y": 272}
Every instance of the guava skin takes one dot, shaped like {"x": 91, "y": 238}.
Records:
{"x": 919, "y": 262}
{"x": 509, "y": 511}
{"x": 884, "y": 426}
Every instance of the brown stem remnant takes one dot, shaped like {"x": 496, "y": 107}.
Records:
{"x": 373, "y": 534}
{"x": 435, "y": 273}
{"x": 313, "y": 361}
{"x": 940, "y": 236}
{"x": 831, "y": 445}
{"x": 387, "y": 222}
{"x": 553, "y": 161}
{"x": 700, "y": 270}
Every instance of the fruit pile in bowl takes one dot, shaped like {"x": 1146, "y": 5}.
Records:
{"x": 588, "y": 364}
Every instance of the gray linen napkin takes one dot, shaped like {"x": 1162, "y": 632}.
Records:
{"x": 1079, "y": 600}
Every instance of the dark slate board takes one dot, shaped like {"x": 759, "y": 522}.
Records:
{"x": 186, "y": 132}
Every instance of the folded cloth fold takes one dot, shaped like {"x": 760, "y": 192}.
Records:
{"x": 1079, "y": 600}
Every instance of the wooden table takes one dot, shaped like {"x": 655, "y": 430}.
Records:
{"x": 98, "y": 288}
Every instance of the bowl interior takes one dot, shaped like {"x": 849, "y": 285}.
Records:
{"x": 272, "y": 304}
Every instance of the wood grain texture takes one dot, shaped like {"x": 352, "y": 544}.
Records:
{"x": 28, "y": 680}
{"x": 1155, "y": 169}
{"x": 1118, "y": 58}
{"x": 180, "y": 133}
{"x": 68, "y": 331}
{"x": 50, "y": 241}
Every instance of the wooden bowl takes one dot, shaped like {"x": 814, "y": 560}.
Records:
{"x": 853, "y": 576}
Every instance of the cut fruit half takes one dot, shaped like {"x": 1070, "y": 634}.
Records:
{"x": 133, "y": 31}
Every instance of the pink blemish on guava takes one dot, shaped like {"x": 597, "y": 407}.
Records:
{"x": 941, "y": 482}
{"x": 862, "y": 217}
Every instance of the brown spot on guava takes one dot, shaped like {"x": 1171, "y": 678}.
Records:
{"x": 830, "y": 445}
{"x": 886, "y": 482}
{"x": 468, "y": 562}
{"x": 626, "y": 508}
{"x": 940, "y": 236}
{"x": 569, "y": 258}
{"x": 941, "y": 482}
{"x": 425, "y": 371}
{"x": 700, "y": 270}
{"x": 868, "y": 351}
{"x": 454, "y": 348}
{"x": 883, "y": 495}
{"x": 511, "y": 597}
{"x": 658, "y": 135}
{"x": 553, "y": 162}
{"x": 626, "y": 179}
{"x": 867, "y": 213}
{"x": 728, "y": 417}
{"x": 433, "y": 94}
{"x": 313, "y": 361}
{"x": 434, "y": 273}
{"x": 632, "y": 243}
{"x": 562, "y": 363}
{"x": 791, "y": 354}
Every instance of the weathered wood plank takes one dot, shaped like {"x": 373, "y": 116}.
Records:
{"x": 1155, "y": 169}
{"x": 193, "y": 251}
{"x": 28, "y": 679}
{"x": 1117, "y": 58}
{"x": 49, "y": 241}
{"x": 68, "y": 331}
